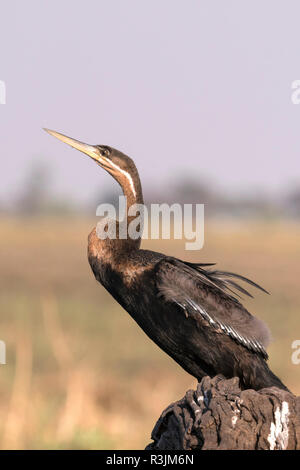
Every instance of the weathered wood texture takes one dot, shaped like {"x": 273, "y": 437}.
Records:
{"x": 219, "y": 415}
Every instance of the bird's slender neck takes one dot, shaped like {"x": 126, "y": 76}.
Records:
{"x": 115, "y": 249}
{"x": 132, "y": 188}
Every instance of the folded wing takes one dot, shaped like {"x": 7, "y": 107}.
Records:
{"x": 211, "y": 297}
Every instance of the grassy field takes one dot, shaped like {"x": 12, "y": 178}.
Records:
{"x": 80, "y": 373}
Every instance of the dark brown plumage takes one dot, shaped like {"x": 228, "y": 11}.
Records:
{"x": 189, "y": 310}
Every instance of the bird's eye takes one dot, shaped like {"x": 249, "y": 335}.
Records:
{"x": 104, "y": 151}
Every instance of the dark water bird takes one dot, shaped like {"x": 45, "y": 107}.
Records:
{"x": 190, "y": 310}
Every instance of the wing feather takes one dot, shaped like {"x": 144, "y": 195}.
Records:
{"x": 211, "y": 295}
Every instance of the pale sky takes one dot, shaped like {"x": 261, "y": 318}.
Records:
{"x": 183, "y": 87}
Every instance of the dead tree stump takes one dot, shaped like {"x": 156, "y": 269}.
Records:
{"x": 219, "y": 415}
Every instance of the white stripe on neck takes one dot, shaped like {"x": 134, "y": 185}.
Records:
{"x": 126, "y": 174}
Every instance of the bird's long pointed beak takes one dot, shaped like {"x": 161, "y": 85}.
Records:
{"x": 90, "y": 150}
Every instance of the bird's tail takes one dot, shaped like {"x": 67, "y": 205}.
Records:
{"x": 260, "y": 376}
{"x": 265, "y": 378}
{"x": 274, "y": 381}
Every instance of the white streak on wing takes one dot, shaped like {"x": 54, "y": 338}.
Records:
{"x": 228, "y": 330}
{"x": 279, "y": 431}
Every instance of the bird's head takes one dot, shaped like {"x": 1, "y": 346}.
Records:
{"x": 119, "y": 165}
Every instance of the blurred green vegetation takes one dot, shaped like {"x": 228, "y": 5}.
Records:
{"x": 80, "y": 373}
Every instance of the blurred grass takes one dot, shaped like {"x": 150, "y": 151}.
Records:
{"x": 80, "y": 373}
